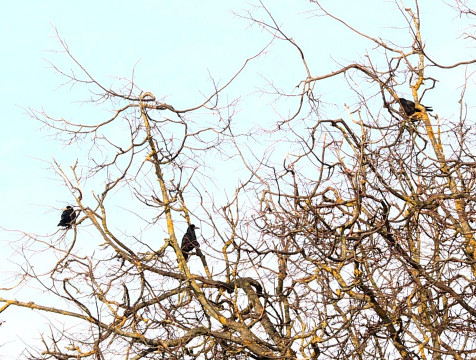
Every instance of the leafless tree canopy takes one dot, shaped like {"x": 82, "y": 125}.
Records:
{"x": 356, "y": 243}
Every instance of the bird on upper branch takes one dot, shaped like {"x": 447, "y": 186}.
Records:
{"x": 409, "y": 107}
{"x": 189, "y": 241}
{"x": 68, "y": 217}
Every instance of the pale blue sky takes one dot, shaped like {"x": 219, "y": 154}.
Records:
{"x": 177, "y": 44}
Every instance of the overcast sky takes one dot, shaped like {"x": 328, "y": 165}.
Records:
{"x": 175, "y": 47}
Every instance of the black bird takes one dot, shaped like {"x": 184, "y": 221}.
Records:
{"x": 189, "y": 241}
{"x": 68, "y": 217}
{"x": 409, "y": 106}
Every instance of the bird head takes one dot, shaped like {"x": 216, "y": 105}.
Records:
{"x": 193, "y": 227}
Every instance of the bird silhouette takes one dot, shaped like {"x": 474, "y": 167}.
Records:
{"x": 189, "y": 241}
{"x": 68, "y": 217}
{"x": 409, "y": 106}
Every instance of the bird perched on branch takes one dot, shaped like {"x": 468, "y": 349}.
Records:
{"x": 68, "y": 217}
{"x": 189, "y": 241}
{"x": 409, "y": 106}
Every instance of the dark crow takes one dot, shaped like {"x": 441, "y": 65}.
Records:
{"x": 409, "y": 106}
{"x": 68, "y": 217}
{"x": 189, "y": 241}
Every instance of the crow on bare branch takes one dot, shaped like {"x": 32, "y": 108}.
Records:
{"x": 409, "y": 106}
{"x": 189, "y": 241}
{"x": 68, "y": 217}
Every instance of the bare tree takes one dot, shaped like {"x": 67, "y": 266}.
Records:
{"x": 356, "y": 243}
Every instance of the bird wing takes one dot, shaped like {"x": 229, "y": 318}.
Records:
{"x": 186, "y": 243}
